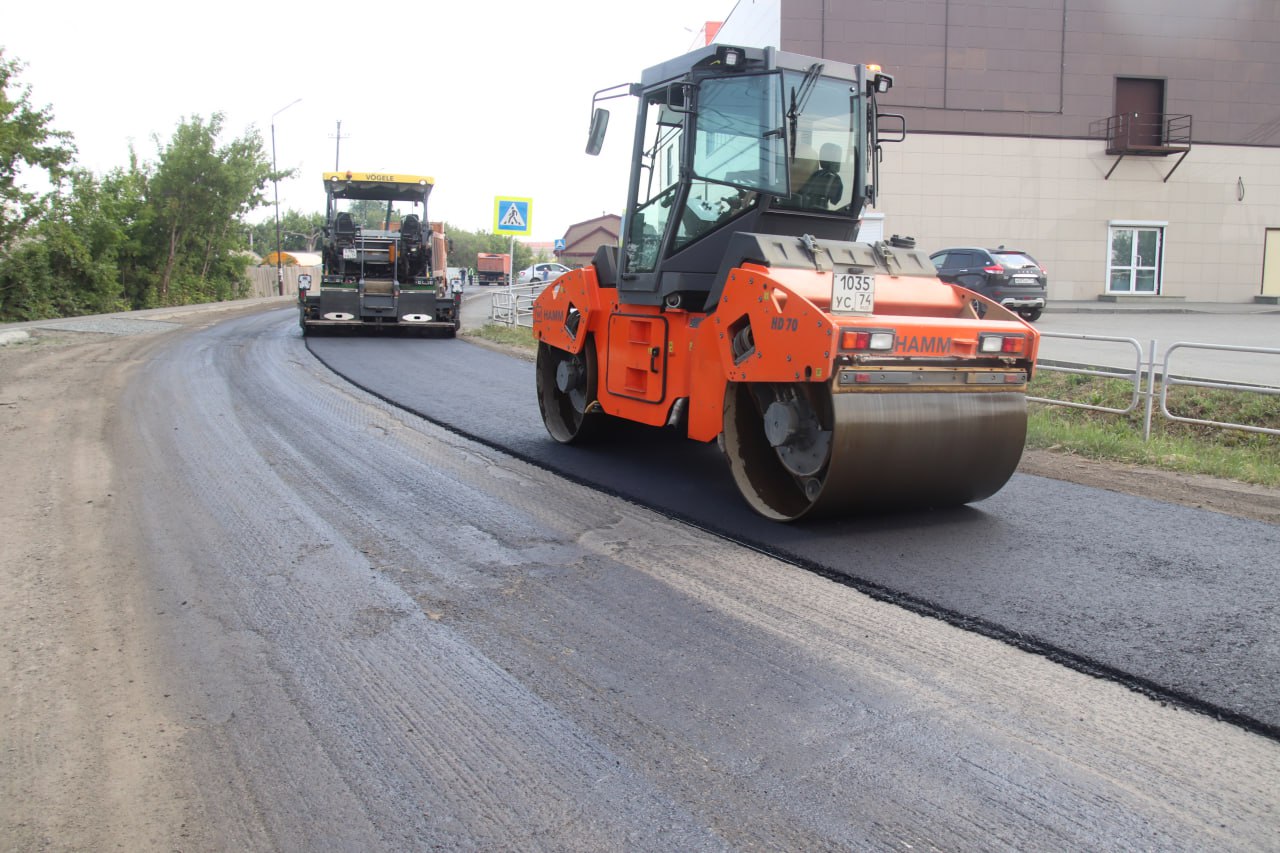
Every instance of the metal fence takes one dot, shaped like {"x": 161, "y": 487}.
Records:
{"x": 1145, "y": 375}
{"x": 1171, "y": 380}
{"x": 513, "y": 305}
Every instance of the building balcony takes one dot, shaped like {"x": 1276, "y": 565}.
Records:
{"x": 1144, "y": 135}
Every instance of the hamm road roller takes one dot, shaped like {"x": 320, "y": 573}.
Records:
{"x": 838, "y": 377}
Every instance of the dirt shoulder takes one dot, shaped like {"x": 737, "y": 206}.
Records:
{"x": 1194, "y": 490}
{"x": 91, "y": 752}
{"x": 85, "y": 753}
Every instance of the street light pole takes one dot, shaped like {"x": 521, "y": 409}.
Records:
{"x": 276, "y": 182}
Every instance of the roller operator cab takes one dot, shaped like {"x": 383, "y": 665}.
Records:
{"x": 838, "y": 376}
{"x": 385, "y": 265}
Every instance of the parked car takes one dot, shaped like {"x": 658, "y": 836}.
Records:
{"x": 1008, "y": 276}
{"x": 541, "y": 272}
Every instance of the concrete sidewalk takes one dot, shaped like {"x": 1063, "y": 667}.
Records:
{"x": 1236, "y": 324}
{"x": 1172, "y": 306}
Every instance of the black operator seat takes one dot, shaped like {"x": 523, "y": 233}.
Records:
{"x": 606, "y": 264}
{"x": 824, "y": 187}
{"x": 411, "y": 228}
{"x": 344, "y": 227}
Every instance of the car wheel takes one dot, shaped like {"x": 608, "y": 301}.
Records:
{"x": 1031, "y": 314}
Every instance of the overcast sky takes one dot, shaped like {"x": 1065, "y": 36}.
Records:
{"x": 489, "y": 97}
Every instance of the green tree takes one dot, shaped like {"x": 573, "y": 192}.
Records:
{"x": 369, "y": 213}
{"x": 149, "y": 234}
{"x": 199, "y": 193}
{"x": 68, "y": 262}
{"x": 28, "y": 144}
{"x": 299, "y": 232}
{"x": 128, "y": 187}
{"x": 467, "y": 244}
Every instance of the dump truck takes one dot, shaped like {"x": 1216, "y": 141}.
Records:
{"x": 493, "y": 268}
{"x": 838, "y": 377}
{"x": 384, "y": 265}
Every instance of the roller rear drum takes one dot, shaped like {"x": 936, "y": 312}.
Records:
{"x": 566, "y": 384}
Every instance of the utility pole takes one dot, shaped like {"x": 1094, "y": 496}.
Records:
{"x": 337, "y": 147}
{"x": 275, "y": 180}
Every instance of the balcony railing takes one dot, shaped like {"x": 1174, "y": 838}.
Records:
{"x": 1144, "y": 135}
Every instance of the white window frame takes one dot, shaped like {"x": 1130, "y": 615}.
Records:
{"x": 1136, "y": 225}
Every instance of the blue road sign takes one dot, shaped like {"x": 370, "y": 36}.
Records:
{"x": 512, "y": 215}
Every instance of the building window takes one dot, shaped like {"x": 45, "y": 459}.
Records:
{"x": 1135, "y": 256}
{"x": 717, "y": 140}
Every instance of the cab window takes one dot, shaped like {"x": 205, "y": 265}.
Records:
{"x": 824, "y": 168}
{"x": 659, "y": 167}
{"x": 739, "y": 151}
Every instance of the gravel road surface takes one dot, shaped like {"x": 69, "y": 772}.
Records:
{"x": 247, "y": 606}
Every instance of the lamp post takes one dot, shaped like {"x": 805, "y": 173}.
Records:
{"x": 276, "y": 182}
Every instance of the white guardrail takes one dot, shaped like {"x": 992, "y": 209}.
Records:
{"x": 1145, "y": 374}
{"x": 513, "y": 305}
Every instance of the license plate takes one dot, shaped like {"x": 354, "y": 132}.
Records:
{"x": 853, "y": 293}
{"x": 350, "y": 254}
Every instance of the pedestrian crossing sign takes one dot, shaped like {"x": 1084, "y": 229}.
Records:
{"x": 512, "y": 215}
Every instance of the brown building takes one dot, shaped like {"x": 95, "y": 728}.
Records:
{"x": 583, "y": 238}
{"x": 1132, "y": 146}
{"x": 542, "y": 249}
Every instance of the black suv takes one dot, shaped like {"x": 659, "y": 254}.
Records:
{"x": 1008, "y": 276}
